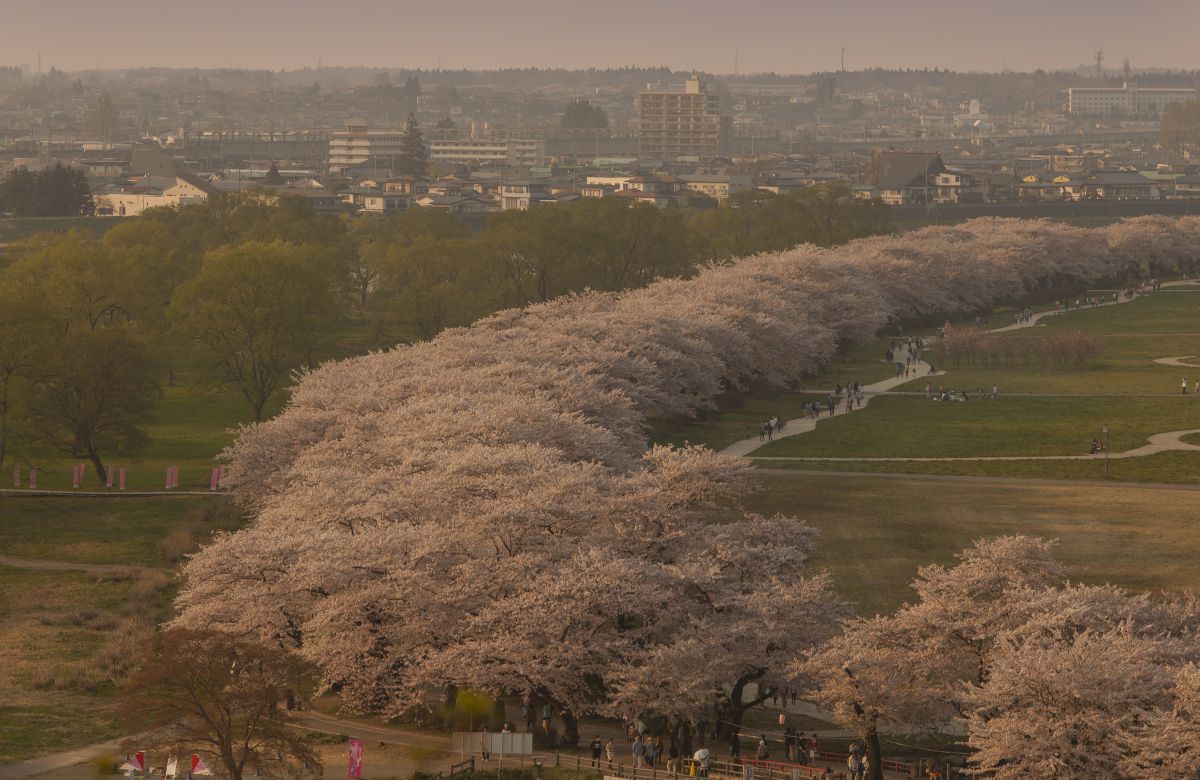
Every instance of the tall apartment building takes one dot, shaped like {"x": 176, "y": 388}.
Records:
{"x": 1129, "y": 99}
{"x": 682, "y": 124}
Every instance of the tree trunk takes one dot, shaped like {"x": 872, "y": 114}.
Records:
{"x": 570, "y": 728}
{"x": 94, "y": 457}
{"x": 874, "y": 753}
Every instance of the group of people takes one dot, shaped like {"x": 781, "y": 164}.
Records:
{"x": 1024, "y": 315}
{"x": 800, "y": 749}
{"x": 1183, "y": 387}
{"x": 942, "y": 394}
{"x": 858, "y": 763}
{"x": 768, "y": 428}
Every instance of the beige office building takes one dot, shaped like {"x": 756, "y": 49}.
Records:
{"x": 681, "y": 124}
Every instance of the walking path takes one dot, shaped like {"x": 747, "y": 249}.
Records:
{"x": 805, "y": 424}
{"x": 1179, "y": 361}
{"x": 1168, "y": 441}
{"x": 91, "y": 568}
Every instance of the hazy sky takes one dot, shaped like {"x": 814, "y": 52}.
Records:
{"x": 787, "y": 36}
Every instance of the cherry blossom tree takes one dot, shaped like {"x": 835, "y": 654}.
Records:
{"x": 483, "y": 509}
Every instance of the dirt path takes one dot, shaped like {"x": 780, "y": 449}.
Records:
{"x": 1179, "y": 361}
{"x": 91, "y": 568}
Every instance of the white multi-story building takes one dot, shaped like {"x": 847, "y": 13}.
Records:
{"x": 357, "y": 144}
{"x": 471, "y": 152}
{"x": 1129, "y": 99}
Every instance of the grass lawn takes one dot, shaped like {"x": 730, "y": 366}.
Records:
{"x": 875, "y": 532}
{"x": 1181, "y": 468}
{"x": 1134, "y": 335}
{"x": 131, "y": 531}
{"x": 911, "y": 426}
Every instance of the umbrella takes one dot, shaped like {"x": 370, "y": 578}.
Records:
{"x": 701, "y": 754}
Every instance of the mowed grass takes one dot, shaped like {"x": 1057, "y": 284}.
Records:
{"x": 914, "y": 427}
{"x": 876, "y": 532}
{"x": 1134, "y": 335}
{"x": 128, "y": 531}
{"x": 1181, "y": 468}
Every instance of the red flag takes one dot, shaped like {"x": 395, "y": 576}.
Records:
{"x": 356, "y": 759}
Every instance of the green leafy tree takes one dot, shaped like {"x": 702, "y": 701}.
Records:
{"x": 413, "y": 155}
{"x": 433, "y": 284}
{"x": 95, "y": 390}
{"x": 259, "y": 312}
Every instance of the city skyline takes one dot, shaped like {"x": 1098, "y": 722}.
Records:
{"x": 753, "y": 36}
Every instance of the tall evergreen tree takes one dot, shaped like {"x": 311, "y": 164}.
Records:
{"x": 412, "y": 150}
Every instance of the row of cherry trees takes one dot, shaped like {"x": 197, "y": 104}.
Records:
{"x": 1049, "y": 678}
{"x": 482, "y": 509}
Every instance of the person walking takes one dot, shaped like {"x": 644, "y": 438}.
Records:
{"x": 639, "y": 754}
{"x": 610, "y": 751}
{"x": 854, "y": 767}
{"x": 485, "y": 742}
{"x": 596, "y": 746}
{"x": 763, "y": 752}
{"x": 735, "y": 746}
{"x": 812, "y": 749}
{"x": 650, "y": 752}
{"x": 673, "y": 758}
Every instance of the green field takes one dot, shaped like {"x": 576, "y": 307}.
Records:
{"x": 914, "y": 427}
{"x": 876, "y": 531}
{"x": 1134, "y": 334}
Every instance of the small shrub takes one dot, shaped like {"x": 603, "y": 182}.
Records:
{"x": 107, "y": 765}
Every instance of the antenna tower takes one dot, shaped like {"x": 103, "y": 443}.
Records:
{"x": 1098, "y": 56}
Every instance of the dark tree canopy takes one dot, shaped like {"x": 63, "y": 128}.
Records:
{"x": 55, "y": 192}
{"x": 581, "y": 113}
{"x": 412, "y": 150}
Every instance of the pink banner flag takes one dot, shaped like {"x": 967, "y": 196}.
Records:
{"x": 109, "y": 477}
{"x": 174, "y": 476}
{"x": 33, "y": 479}
{"x": 121, "y": 477}
{"x": 75, "y": 476}
{"x": 16, "y": 476}
{"x": 212, "y": 480}
{"x": 167, "y": 483}
{"x": 356, "y": 759}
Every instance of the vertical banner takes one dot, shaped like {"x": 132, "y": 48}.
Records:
{"x": 121, "y": 477}
{"x": 16, "y": 476}
{"x": 75, "y": 476}
{"x": 356, "y": 759}
{"x": 167, "y": 482}
{"x": 33, "y": 479}
{"x": 109, "y": 477}
{"x": 212, "y": 480}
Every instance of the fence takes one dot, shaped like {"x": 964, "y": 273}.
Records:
{"x": 746, "y": 769}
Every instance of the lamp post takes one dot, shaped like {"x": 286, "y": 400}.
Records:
{"x": 1105, "y": 429}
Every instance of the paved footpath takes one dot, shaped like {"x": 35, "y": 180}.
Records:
{"x": 805, "y": 424}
